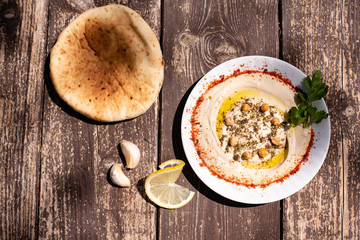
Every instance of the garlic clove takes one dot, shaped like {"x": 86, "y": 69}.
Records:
{"x": 131, "y": 153}
{"x": 118, "y": 177}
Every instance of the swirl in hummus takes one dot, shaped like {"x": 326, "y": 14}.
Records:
{"x": 238, "y": 129}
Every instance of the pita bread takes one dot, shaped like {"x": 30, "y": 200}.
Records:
{"x": 107, "y": 64}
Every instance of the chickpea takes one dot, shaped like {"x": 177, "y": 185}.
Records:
{"x": 246, "y": 155}
{"x": 275, "y": 140}
{"x": 229, "y": 121}
{"x": 233, "y": 141}
{"x": 275, "y": 121}
{"x": 262, "y": 152}
{"x": 245, "y": 107}
{"x": 264, "y": 107}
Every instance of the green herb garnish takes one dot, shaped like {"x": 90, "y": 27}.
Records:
{"x": 305, "y": 113}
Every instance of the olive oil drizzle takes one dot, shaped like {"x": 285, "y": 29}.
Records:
{"x": 225, "y": 107}
{"x": 229, "y": 102}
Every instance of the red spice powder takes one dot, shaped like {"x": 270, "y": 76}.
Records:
{"x": 193, "y": 122}
{"x": 237, "y": 72}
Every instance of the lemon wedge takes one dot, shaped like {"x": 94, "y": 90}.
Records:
{"x": 161, "y": 188}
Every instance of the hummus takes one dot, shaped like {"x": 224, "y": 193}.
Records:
{"x": 240, "y": 140}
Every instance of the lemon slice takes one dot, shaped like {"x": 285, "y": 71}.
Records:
{"x": 172, "y": 163}
{"x": 161, "y": 188}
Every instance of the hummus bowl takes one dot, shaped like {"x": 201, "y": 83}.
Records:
{"x": 239, "y": 171}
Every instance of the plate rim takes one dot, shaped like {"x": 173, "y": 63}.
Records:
{"x": 199, "y": 170}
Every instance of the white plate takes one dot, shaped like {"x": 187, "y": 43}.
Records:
{"x": 275, "y": 191}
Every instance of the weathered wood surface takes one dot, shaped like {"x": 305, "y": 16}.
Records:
{"x": 22, "y": 57}
{"x": 54, "y": 163}
{"x": 208, "y": 33}
{"x": 76, "y": 199}
{"x": 325, "y": 35}
{"x": 350, "y": 115}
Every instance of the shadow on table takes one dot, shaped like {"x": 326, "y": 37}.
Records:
{"x": 63, "y": 105}
{"x": 188, "y": 171}
{"x": 140, "y": 186}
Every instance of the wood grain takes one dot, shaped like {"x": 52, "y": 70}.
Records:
{"x": 54, "y": 162}
{"x": 350, "y": 118}
{"x": 77, "y": 201}
{"x": 313, "y": 39}
{"x": 22, "y": 53}
{"x": 208, "y": 33}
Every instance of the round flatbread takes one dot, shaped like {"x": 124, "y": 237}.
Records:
{"x": 107, "y": 64}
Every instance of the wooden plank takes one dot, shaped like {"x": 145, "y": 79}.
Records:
{"x": 312, "y": 32}
{"x": 22, "y": 53}
{"x": 208, "y": 33}
{"x": 76, "y": 199}
{"x": 350, "y": 118}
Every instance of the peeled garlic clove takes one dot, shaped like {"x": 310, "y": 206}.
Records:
{"x": 118, "y": 177}
{"x": 131, "y": 153}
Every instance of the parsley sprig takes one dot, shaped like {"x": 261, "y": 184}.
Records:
{"x": 305, "y": 113}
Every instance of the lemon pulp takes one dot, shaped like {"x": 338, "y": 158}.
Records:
{"x": 161, "y": 188}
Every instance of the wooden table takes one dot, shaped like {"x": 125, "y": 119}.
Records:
{"x": 54, "y": 163}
